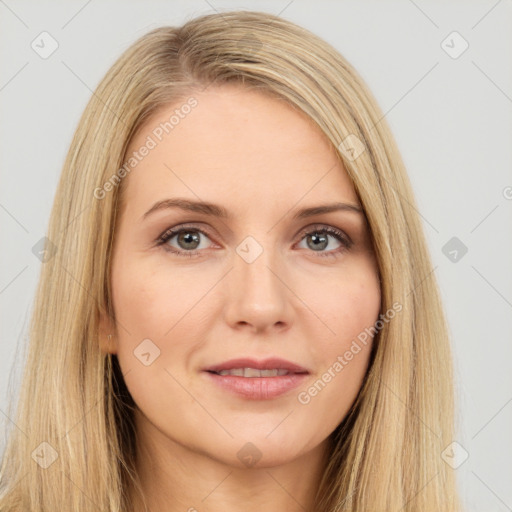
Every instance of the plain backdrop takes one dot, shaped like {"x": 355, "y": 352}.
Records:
{"x": 442, "y": 74}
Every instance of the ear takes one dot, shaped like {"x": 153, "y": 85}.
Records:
{"x": 107, "y": 335}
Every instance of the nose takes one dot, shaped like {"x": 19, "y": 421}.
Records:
{"x": 257, "y": 298}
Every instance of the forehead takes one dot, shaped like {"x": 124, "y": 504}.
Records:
{"x": 235, "y": 144}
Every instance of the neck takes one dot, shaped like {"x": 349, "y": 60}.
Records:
{"x": 180, "y": 478}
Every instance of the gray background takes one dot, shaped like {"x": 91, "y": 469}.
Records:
{"x": 450, "y": 116}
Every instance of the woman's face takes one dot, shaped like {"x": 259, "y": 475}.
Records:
{"x": 263, "y": 282}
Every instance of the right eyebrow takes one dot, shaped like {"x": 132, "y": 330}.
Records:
{"x": 192, "y": 206}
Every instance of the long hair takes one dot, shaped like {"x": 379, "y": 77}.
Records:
{"x": 74, "y": 445}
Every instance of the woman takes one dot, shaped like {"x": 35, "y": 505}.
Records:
{"x": 295, "y": 356}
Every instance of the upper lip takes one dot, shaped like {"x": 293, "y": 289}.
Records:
{"x": 265, "y": 364}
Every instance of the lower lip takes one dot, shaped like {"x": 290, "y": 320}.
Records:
{"x": 258, "y": 388}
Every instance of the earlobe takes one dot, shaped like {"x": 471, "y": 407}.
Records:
{"x": 107, "y": 344}
{"x": 106, "y": 340}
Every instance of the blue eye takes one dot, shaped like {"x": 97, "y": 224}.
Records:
{"x": 189, "y": 240}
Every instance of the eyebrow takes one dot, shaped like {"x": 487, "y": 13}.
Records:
{"x": 215, "y": 210}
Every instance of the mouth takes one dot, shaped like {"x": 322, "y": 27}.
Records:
{"x": 256, "y": 380}
{"x": 249, "y": 367}
{"x": 255, "y": 372}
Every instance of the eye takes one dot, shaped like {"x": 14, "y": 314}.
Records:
{"x": 317, "y": 239}
{"x": 188, "y": 240}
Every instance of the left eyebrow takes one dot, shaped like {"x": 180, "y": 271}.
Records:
{"x": 215, "y": 210}
{"x": 327, "y": 208}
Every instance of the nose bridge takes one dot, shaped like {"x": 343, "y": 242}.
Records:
{"x": 257, "y": 294}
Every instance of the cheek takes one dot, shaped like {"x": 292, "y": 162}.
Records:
{"x": 154, "y": 303}
{"x": 349, "y": 307}
{"x": 147, "y": 302}
{"x": 357, "y": 308}
{"x": 148, "y": 310}
{"x": 340, "y": 375}
{"x": 347, "y": 304}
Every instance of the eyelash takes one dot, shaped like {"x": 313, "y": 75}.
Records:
{"x": 346, "y": 243}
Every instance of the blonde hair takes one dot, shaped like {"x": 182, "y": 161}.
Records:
{"x": 387, "y": 451}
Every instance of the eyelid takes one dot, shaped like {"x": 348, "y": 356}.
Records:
{"x": 332, "y": 230}
{"x": 170, "y": 232}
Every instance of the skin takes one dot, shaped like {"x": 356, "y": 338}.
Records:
{"x": 262, "y": 160}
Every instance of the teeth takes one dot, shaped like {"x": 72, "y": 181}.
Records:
{"x": 253, "y": 372}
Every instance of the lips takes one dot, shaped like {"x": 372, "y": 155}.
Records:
{"x": 246, "y": 367}
{"x": 250, "y": 379}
